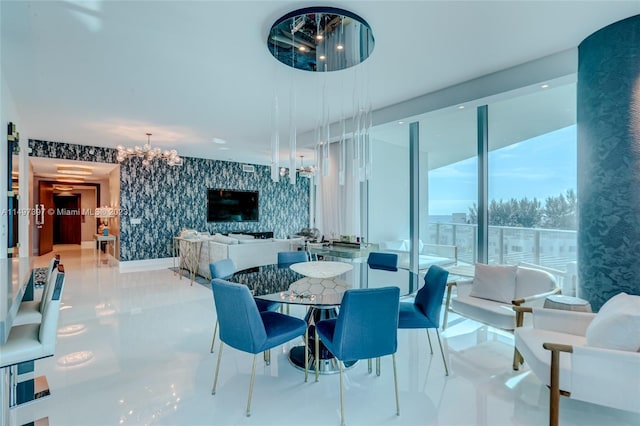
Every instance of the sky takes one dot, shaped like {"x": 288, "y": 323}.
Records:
{"x": 539, "y": 167}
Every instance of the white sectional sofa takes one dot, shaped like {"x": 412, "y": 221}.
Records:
{"x": 245, "y": 250}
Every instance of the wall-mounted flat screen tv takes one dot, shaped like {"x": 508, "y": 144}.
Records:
{"x": 227, "y": 205}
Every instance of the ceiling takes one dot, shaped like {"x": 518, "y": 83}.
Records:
{"x": 105, "y": 73}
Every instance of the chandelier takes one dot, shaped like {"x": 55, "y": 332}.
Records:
{"x": 303, "y": 171}
{"x": 148, "y": 154}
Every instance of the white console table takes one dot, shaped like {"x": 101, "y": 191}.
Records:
{"x": 105, "y": 238}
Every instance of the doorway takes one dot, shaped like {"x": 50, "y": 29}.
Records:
{"x": 66, "y": 221}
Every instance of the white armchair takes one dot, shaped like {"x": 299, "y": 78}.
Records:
{"x": 495, "y": 289}
{"x": 582, "y": 358}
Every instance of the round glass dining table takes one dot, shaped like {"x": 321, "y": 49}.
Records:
{"x": 322, "y": 292}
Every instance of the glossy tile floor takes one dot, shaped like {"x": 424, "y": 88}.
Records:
{"x": 133, "y": 349}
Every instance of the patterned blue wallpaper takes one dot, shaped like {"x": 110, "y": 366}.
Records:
{"x": 609, "y": 162}
{"x": 168, "y": 199}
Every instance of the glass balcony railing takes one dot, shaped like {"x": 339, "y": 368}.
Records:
{"x": 554, "y": 250}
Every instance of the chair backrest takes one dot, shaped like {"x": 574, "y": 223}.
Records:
{"x": 530, "y": 281}
{"x": 49, "y": 325}
{"x": 51, "y": 270}
{"x": 222, "y": 268}
{"x": 49, "y": 286}
{"x": 239, "y": 320}
{"x": 289, "y": 257}
{"x": 367, "y": 325}
{"x": 429, "y": 297}
{"x": 384, "y": 261}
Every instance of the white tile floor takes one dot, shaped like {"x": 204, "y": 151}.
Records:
{"x": 141, "y": 344}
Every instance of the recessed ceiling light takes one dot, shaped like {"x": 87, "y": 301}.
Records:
{"x": 219, "y": 141}
{"x": 461, "y": 107}
{"x": 75, "y": 170}
{"x": 400, "y": 122}
{"x": 69, "y": 179}
{"x": 319, "y": 37}
{"x": 544, "y": 86}
{"x": 322, "y": 57}
{"x": 339, "y": 47}
{"x": 302, "y": 48}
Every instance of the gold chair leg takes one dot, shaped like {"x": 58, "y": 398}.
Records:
{"x": 253, "y": 373}
{"x": 369, "y": 365}
{"x": 215, "y": 379}
{"x": 317, "y": 354}
{"x": 341, "y": 396}
{"x": 446, "y": 369}
{"x": 429, "y": 338}
{"x": 215, "y": 331}
{"x": 395, "y": 380}
{"x": 267, "y": 356}
{"x": 306, "y": 354}
{"x": 517, "y": 359}
{"x": 378, "y": 366}
{"x": 554, "y": 391}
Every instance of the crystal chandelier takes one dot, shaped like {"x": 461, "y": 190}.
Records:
{"x": 148, "y": 154}
{"x": 303, "y": 171}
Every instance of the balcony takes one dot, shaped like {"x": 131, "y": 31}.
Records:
{"x": 554, "y": 250}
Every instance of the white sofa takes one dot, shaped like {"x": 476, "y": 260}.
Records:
{"x": 245, "y": 250}
{"x": 429, "y": 254}
{"x": 585, "y": 356}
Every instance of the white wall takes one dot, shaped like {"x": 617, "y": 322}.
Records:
{"x": 389, "y": 192}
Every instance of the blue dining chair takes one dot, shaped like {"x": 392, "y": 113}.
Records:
{"x": 244, "y": 328}
{"x": 291, "y": 257}
{"x": 224, "y": 269}
{"x": 384, "y": 261}
{"x": 424, "y": 312}
{"x": 366, "y": 327}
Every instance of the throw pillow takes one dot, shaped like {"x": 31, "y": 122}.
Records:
{"x": 494, "y": 282}
{"x": 242, "y": 237}
{"x": 617, "y": 324}
{"x": 219, "y": 238}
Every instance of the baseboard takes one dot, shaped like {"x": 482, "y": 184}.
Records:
{"x": 148, "y": 264}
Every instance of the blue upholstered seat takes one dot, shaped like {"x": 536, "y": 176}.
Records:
{"x": 224, "y": 269}
{"x": 366, "y": 327}
{"x": 424, "y": 312}
{"x": 244, "y": 328}
{"x": 384, "y": 261}
{"x": 291, "y": 257}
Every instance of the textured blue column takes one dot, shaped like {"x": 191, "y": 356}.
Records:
{"x": 609, "y": 162}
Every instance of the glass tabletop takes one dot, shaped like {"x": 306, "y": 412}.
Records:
{"x": 282, "y": 284}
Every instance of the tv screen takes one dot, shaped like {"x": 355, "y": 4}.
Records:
{"x": 226, "y": 205}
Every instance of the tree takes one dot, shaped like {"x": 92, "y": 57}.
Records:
{"x": 560, "y": 212}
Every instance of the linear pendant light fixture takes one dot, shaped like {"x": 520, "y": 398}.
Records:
{"x": 323, "y": 39}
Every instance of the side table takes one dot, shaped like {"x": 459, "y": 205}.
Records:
{"x": 104, "y": 238}
{"x": 567, "y": 303}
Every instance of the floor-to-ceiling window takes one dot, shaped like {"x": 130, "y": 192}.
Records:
{"x": 448, "y": 143}
{"x": 532, "y": 180}
{"x": 531, "y": 175}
